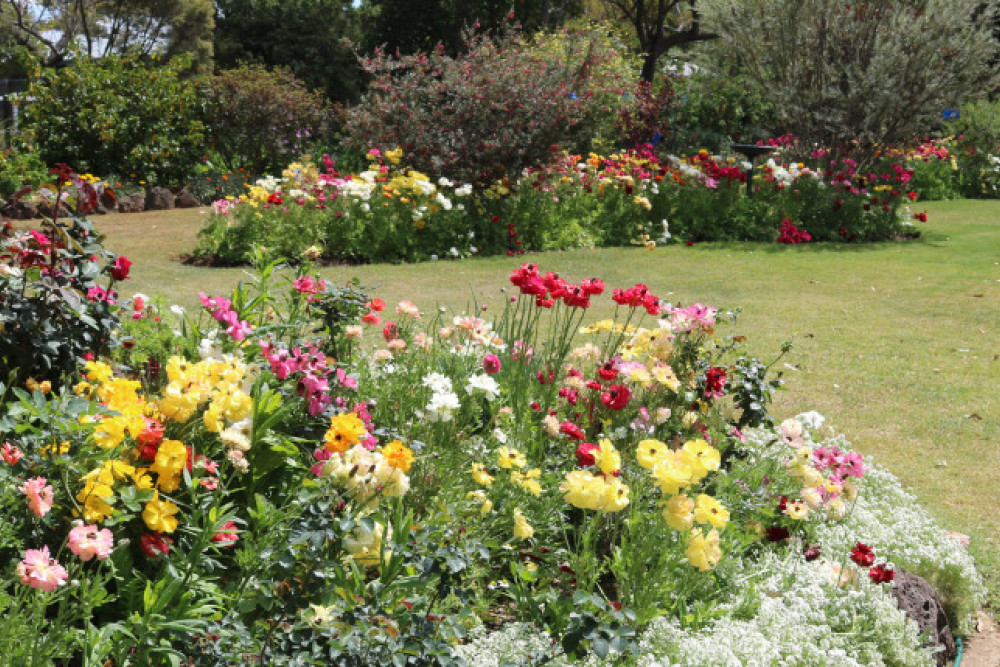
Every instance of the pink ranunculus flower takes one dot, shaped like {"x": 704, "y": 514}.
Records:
{"x": 40, "y": 570}
{"x": 39, "y": 495}
{"x": 491, "y": 364}
{"x": 89, "y": 541}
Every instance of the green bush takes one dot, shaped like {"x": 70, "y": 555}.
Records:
{"x": 20, "y": 167}
{"x": 262, "y": 119}
{"x": 120, "y": 114}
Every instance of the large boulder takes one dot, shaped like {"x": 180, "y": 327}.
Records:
{"x": 133, "y": 203}
{"x": 159, "y": 199}
{"x": 186, "y": 200}
{"x": 917, "y": 598}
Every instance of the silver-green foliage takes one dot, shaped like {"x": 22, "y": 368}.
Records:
{"x": 876, "y": 72}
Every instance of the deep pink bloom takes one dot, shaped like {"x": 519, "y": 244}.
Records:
{"x": 90, "y": 541}
{"x": 40, "y": 570}
{"x": 39, "y": 495}
{"x": 572, "y": 430}
{"x": 491, "y": 364}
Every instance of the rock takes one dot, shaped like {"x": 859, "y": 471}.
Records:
{"x": 45, "y": 210}
{"x": 917, "y": 598}
{"x": 962, "y": 539}
{"x": 19, "y": 210}
{"x": 186, "y": 200}
{"x": 102, "y": 209}
{"x": 133, "y": 203}
{"x": 159, "y": 199}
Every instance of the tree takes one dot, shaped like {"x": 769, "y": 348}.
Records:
{"x": 418, "y": 26}
{"x": 314, "y": 39}
{"x": 857, "y": 74}
{"x": 54, "y": 30}
{"x": 660, "y": 25}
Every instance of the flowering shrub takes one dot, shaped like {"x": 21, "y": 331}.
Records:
{"x": 53, "y": 305}
{"x": 616, "y": 486}
{"x": 482, "y": 116}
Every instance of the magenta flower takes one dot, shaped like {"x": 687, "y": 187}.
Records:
{"x": 40, "y": 570}
{"x": 39, "y": 495}
{"x": 491, "y": 364}
{"x": 90, "y": 541}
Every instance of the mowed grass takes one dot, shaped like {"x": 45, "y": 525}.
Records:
{"x": 897, "y": 344}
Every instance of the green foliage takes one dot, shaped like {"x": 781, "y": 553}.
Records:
{"x": 716, "y": 108}
{"x": 120, "y": 114}
{"x": 323, "y": 33}
{"x": 857, "y": 75}
{"x": 414, "y": 26}
{"x": 19, "y": 167}
{"x": 261, "y": 119}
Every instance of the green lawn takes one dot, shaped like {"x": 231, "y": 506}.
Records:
{"x": 897, "y": 344}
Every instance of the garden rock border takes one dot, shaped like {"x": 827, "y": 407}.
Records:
{"x": 154, "y": 199}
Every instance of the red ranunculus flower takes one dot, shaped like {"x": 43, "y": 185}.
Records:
{"x": 155, "y": 545}
{"x": 119, "y": 270}
{"x": 881, "y": 574}
{"x": 863, "y": 555}
{"x": 616, "y": 397}
{"x": 572, "y": 430}
{"x": 585, "y": 454}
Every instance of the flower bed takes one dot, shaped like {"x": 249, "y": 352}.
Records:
{"x": 390, "y": 213}
{"x": 304, "y": 475}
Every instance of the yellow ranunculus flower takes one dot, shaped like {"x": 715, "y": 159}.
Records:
{"x": 159, "y": 515}
{"x": 479, "y": 474}
{"x": 701, "y": 457}
{"x": 171, "y": 457}
{"x": 528, "y": 480}
{"x": 678, "y": 512}
{"x": 703, "y": 551}
{"x": 522, "y": 529}
{"x": 650, "y": 452}
{"x": 615, "y": 497}
{"x": 508, "y": 458}
{"x": 709, "y": 510}
{"x": 672, "y": 473}
{"x": 486, "y": 505}
{"x": 607, "y": 457}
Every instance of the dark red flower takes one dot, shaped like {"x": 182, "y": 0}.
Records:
{"x": 616, "y": 397}
{"x": 863, "y": 555}
{"x": 155, "y": 545}
{"x": 390, "y": 330}
{"x": 880, "y": 574}
{"x": 777, "y": 534}
{"x": 811, "y": 552}
{"x": 715, "y": 382}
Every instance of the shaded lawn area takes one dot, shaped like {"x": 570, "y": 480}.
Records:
{"x": 897, "y": 344}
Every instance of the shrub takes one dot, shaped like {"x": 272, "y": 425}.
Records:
{"x": 119, "y": 114}
{"x": 262, "y": 119}
{"x": 19, "y": 167}
{"x": 53, "y": 311}
{"x": 482, "y": 116}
